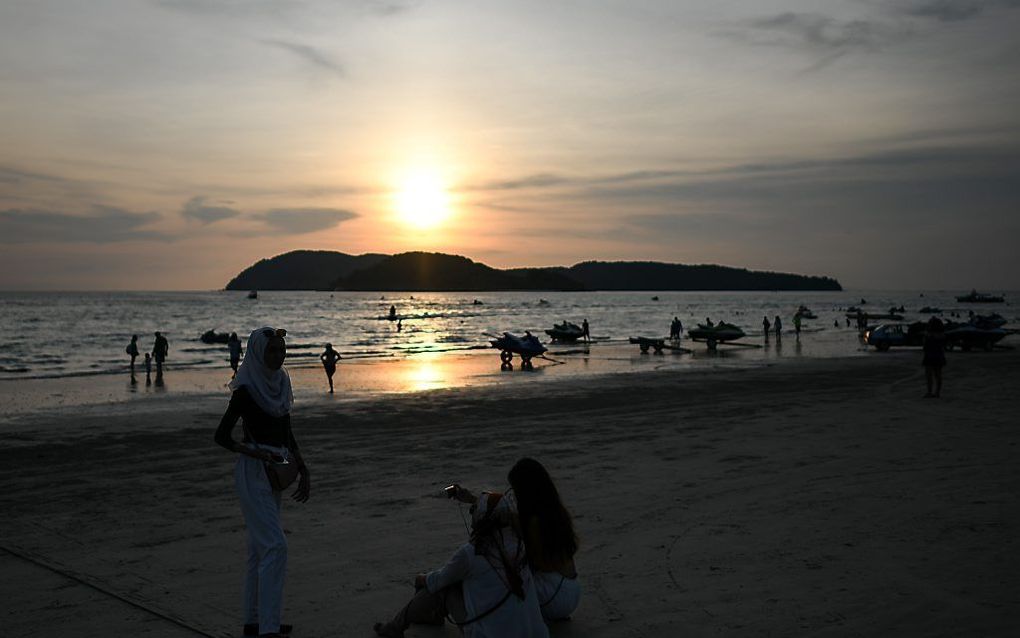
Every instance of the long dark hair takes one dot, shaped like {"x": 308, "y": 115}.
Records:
{"x": 538, "y": 500}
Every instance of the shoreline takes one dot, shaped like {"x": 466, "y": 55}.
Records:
{"x": 364, "y": 378}
{"x": 823, "y": 497}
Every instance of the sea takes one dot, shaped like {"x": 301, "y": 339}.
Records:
{"x": 61, "y": 334}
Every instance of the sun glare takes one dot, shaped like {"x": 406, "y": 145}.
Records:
{"x": 422, "y": 200}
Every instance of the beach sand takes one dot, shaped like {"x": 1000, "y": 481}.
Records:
{"x": 803, "y": 498}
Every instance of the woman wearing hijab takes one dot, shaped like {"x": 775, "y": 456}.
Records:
{"x": 262, "y": 398}
{"x": 486, "y": 587}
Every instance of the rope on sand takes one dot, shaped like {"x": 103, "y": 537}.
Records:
{"x": 92, "y": 583}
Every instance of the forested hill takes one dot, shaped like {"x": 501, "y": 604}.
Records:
{"x": 420, "y": 271}
{"x": 301, "y": 270}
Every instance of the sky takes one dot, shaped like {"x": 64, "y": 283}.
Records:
{"x": 169, "y": 144}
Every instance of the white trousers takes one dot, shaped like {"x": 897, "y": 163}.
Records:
{"x": 267, "y": 546}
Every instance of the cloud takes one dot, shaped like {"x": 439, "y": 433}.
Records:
{"x": 389, "y": 7}
{"x": 309, "y": 54}
{"x": 537, "y": 180}
{"x": 104, "y": 225}
{"x": 297, "y": 221}
{"x": 955, "y": 10}
{"x": 196, "y": 209}
{"x": 826, "y": 37}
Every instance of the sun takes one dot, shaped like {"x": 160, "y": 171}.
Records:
{"x": 422, "y": 200}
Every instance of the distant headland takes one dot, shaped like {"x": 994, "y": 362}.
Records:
{"x": 421, "y": 272}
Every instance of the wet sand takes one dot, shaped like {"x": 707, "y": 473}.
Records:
{"x": 812, "y": 497}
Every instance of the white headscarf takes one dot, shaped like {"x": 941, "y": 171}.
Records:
{"x": 270, "y": 389}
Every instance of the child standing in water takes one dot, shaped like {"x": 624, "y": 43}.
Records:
{"x": 148, "y": 369}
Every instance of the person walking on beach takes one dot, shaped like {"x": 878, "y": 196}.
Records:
{"x": 796, "y": 324}
{"x": 234, "y": 346}
{"x": 934, "y": 356}
{"x": 132, "y": 350}
{"x": 585, "y": 330}
{"x": 765, "y": 325}
{"x": 262, "y": 398}
{"x": 777, "y": 325}
{"x": 329, "y": 359}
{"x": 160, "y": 348}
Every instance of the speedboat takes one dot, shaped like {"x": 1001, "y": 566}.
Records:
{"x": 980, "y": 297}
{"x": 988, "y": 322}
{"x": 565, "y": 331}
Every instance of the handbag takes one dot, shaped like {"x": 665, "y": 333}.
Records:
{"x": 280, "y": 475}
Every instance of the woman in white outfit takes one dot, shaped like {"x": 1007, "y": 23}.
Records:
{"x": 549, "y": 537}
{"x": 262, "y": 398}
{"x": 486, "y": 587}
{"x": 548, "y": 533}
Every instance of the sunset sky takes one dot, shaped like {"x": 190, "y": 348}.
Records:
{"x": 168, "y": 144}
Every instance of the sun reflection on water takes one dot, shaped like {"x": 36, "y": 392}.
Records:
{"x": 426, "y": 373}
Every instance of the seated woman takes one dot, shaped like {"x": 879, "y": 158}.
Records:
{"x": 486, "y": 587}
{"x": 549, "y": 537}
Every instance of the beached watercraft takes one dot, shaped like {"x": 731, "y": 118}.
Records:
{"x": 980, "y": 297}
{"x": 988, "y": 322}
{"x": 712, "y": 335}
{"x": 525, "y": 347}
{"x": 565, "y": 331}
{"x": 967, "y": 336}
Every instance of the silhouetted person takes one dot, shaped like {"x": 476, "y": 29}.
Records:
{"x": 148, "y": 369}
{"x": 132, "y": 349}
{"x": 585, "y": 332}
{"x": 400, "y": 325}
{"x": 329, "y": 359}
{"x": 234, "y": 346}
{"x": 708, "y": 322}
{"x": 835, "y": 323}
{"x": 777, "y": 325}
{"x": 848, "y": 322}
{"x": 393, "y": 313}
{"x": 765, "y": 327}
{"x": 796, "y": 325}
{"x": 160, "y": 348}
{"x": 934, "y": 356}
{"x": 262, "y": 398}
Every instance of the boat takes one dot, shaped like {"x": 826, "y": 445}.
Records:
{"x": 889, "y": 316}
{"x": 931, "y": 310}
{"x": 525, "y": 347}
{"x": 893, "y": 310}
{"x": 211, "y": 336}
{"x": 967, "y": 336}
{"x": 565, "y": 331}
{"x": 655, "y": 298}
{"x": 805, "y": 313}
{"x": 721, "y": 332}
{"x": 980, "y": 297}
{"x": 254, "y": 294}
{"x": 988, "y": 322}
